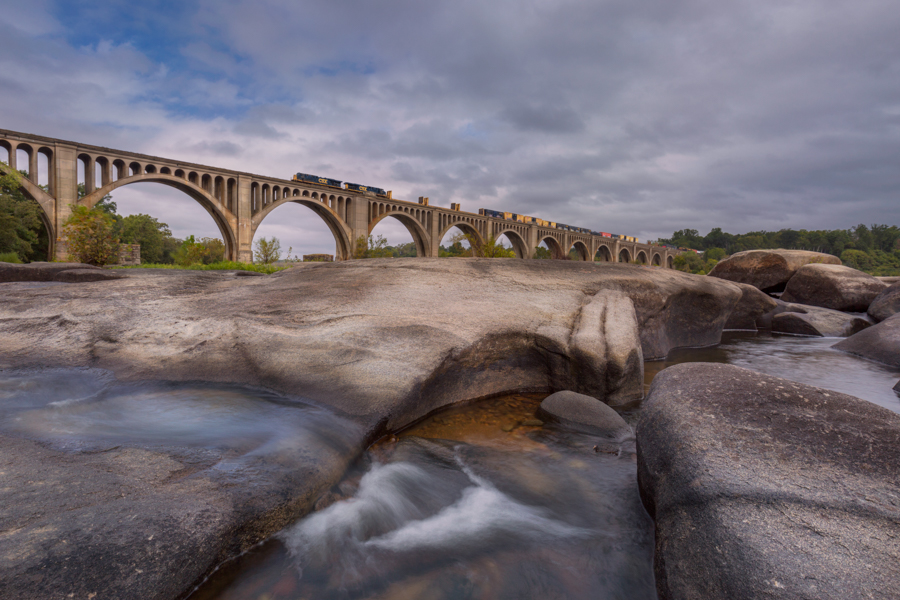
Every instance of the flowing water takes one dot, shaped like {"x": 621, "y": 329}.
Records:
{"x": 478, "y": 501}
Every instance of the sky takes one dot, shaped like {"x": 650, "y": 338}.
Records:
{"x": 634, "y": 117}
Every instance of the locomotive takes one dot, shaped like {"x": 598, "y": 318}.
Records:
{"x": 334, "y": 183}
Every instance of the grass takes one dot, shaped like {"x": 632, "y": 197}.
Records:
{"x": 219, "y": 266}
{"x": 10, "y": 257}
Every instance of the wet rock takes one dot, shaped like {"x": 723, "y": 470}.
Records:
{"x": 40, "y": 271}
{"x": 382, "y": 342}
{"x": 897, "y": 387}
{"x": 880, "y": 342}
{"x": 820, "y": 322}
{"x": 768, "y": 270}
{"x": 887, "y": 303}
{"x": 753, "y": 305}
{"x": 833, "y": 286}
{"x": 765, "y": 488}
{"x": 584, "y": 414}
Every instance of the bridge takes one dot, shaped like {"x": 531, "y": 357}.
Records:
{"x": 239, "y": 202}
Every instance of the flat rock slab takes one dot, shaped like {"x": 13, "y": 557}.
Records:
{"x": 768, "y": 270}
{"x": 584, "y": 414}
{"x": 62, "y": 272}
{"x": 880, "y": 342}
{"x": 386, "y": 340}
{"x": 886, "y": 304}
{"x": 765, "y": 488}
{"x": 833, "y": 286}
{"x": 820, "y": 322}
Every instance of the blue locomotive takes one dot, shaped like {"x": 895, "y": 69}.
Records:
{"x": 487, "y": 212}
{"x": 365, "y": 188}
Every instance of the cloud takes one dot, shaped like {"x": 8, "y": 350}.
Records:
{"x": 638, "y": 118}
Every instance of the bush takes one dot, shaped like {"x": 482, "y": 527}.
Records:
{"x": 10, "y": 257}
{"x": 857, "y": 259}
{"x": 267, "y": 250}
{"x": 90, "y": 236}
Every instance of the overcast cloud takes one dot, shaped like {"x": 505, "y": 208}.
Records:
{"x": 631, "y": 117}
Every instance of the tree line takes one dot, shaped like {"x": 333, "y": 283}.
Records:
{"x": 874, "y": 249}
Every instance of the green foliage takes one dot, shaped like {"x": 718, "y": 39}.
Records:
{"x": 715, "y": 254}
{"x": 267, "y": 250}
{"x": 91, "y": 236}
{"x": 543, "y": 253}
{"x": 191, "y": 252}
{"x": 456, "y": 249}
{"x": 22, "y": 230}
{"x": 407, "y": 250}
{"x": 10, "y": 257}
{"x": 372, "y": 248}
{"x": 219, "y": 266}
{"x": 857, "y": 259}
{"x": 213, "y": 250}
{"x": 149, "y": 233}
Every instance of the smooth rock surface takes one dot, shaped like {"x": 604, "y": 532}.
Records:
{"x": 768, "y": 270}
{"x": 886, "y": 304}
{"x": 833, "y": 286}
{"x": 379, "y": 342}
{"x": 880, "y": 342}
{"x": 753, "y": 305}
{"x": 765, "y": 488}
{"x": 86, "y": 275}
{"x": 821, "y": 322}
{"x": 584, "y": 414}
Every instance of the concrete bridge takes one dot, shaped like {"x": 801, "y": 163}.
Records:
{"x": 239, "y": 202}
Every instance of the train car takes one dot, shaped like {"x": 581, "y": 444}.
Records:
{"x": 306, "y": 177}
{"x": 365, "y": 188}
{"x": 486, "y": 212}
{"x": 604, "y": 234}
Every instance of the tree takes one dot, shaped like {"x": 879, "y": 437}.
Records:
{"x": 214, "y": 250}
{"x": 91, "y": 236}
{"x": 21, "y": 227}
{"x": 149, "y": 233}
{"x": 267, "y": 250}
{"x": 541, "y": 252}
{"x": 190, "y": 252}
{"x": 715, "y": 254}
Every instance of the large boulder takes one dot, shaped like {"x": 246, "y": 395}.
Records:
{"x": 885, "y": 304}
{"x": 584, "y": 414}
{"x": 765, "y": 488}
{"x": 379, "y": 342}
{"x": 768, "y": 270}
{"x": 833, "y": 286}
{"x": 880, "y": 342}
{"x": 753, "y": 305}
{"x": 821, "y": 322}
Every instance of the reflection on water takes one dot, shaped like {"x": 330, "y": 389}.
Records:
{"x": 85, "y": 408}
{"x": 478, "y": 501}
{"x": 802, "y": 359}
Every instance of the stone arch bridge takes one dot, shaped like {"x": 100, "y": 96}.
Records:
{"x": 239, "y": 202}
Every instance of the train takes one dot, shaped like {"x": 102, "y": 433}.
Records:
{"x": 508, "y": 216}
{"x": 334, "y": 183}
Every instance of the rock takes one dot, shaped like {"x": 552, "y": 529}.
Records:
{"x": 584, "y": 414}
{"x": 897, "y": 387}
{"x": 768, "y": 270}
{"x": 833, "y": 286}
{"x": 752, "y": 306}
{"x": 382, "y": 342}
{"x": 85, "y": 275}
{"x": 765, "y": 321}
{"x": 890, "y": 280}
{"x": 821, "y": 322}
{"x": 765, "y": 488}
{"x": 880, "y": 342}
{"x": 886, "y": 303}
{"x": 39, "y": 271}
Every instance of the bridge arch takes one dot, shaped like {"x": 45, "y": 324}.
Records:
{"x": 556, "y": 250}
{"x": 466, "y": 228}
{"x": 224, "y": 221}
{"x": 624, "y": 256}
{"x": 670, "y": 262}
{"x": 416, "y": 230}
{"x": 579, "y": 246}
{"x": 340, "y": 231}
{"x": 47, "y": 204}
{"x": 641, "y": 257}
{"x": 603, "y": 254}
{"x": 518, "y": 242}
{"x": 657, "y": 260}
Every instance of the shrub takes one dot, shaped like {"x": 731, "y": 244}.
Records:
{"x": 10, "y": 257}
{"x": 90, "y": 236}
